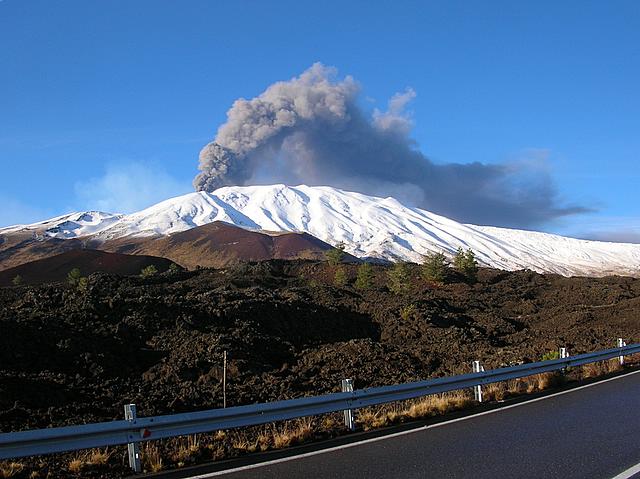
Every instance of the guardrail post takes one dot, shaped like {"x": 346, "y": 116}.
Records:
{"x": 349, "y": 420}
{"x": 564, "y": 354}
{"x": 477, "y": 390}
{"x": 134, "y": 450}
{"x": 621, "y": 344}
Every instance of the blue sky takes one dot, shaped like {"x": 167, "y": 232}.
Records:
{"x": 106, "y": 104}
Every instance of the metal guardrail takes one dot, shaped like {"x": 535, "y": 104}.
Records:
{"x": 62, "y": 439}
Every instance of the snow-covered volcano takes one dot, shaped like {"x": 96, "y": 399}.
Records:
{"x": 369, "y": 227}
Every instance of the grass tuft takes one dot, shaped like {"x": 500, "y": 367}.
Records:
{"x": 600, "y": 368}
{"x": 10, "y": 469}
{"x": 372, "y": 418}
{"x": 292, "y": 434}
{"x": 151, "y": 457}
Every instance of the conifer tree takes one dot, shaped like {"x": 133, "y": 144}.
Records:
{"x": 335, "y": 255}
{"x": 398, "y": 278}
{"x": 435, "y": 268}
{"x": 364, "y": 277}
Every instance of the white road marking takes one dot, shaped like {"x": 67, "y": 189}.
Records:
{"x": 623, "y": 475}
{"x": 632, "y": 471}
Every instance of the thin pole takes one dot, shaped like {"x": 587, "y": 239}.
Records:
{"x": 224, "y": 380}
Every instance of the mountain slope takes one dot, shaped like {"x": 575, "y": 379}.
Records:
{"x": 220, "y": 244}
{"x": 369, "y": 227}
{"x": 56, "y": 268}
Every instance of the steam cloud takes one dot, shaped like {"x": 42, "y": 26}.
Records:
{"x": 311, "y": 129}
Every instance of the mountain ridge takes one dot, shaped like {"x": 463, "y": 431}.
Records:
{"x": 370, "y": 227}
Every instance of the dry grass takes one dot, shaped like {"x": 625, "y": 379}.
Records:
{"x": 87, "y": 459}
{"x": 292, "y": 433}
{"x": 99, "y": 457}
{"x": 151, "y": 457}
{"x": 241, "y": 442}
{"x": 600, "y": 368}
{"x": 273, "y": 437}
{"x": 186, "y": 449}
{"x": 527, "y": 385}
{"x": 10, "y": 469}
{"x": 372, "y": 418}
{"x": 76, "y": 465}
{"x": 329, "y": 422}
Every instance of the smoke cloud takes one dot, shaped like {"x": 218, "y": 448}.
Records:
{"x": 312, "y": 130}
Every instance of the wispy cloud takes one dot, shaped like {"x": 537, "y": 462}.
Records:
{"x": 617, "y": 236}
{"x": 128, "y": 187}
{"x": 616, "y": 229}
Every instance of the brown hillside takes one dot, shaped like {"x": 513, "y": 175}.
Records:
{"x": 19, "y": 248}
{"x": 221, "y": 244}
{"x": 56, "y": 268}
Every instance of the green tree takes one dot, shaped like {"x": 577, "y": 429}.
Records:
{"x": 465, "y": 262}
{"x": 83, "y": 284}
{"x": 340, "y": 278}
{"x": 17, "y": 281}
{"x": 73, "y": 278}
{"x": 148, "y": 271}
{"x": 398, "y": 278}
{"x": 174, "y": 268}
{"x": 364, "y": 277}
{"x": 335, "y": 255}
{"x": 435, "y": 267}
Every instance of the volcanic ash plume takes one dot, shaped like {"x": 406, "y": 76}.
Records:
{"x": 311, "y": 129}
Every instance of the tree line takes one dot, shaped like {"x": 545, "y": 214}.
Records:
{"x": 436, "y": 268}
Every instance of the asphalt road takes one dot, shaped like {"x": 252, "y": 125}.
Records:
{"x": 590, "y": 432}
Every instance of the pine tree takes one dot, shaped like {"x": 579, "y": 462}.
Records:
{"x": 149, "y": 271}
{"x": 17, "y": 281}
{"x": 459, "y": 259}
{"x": 435, "y": 267}
{"x": 471, "y": 265}
{"x": 340, "y": 278}
{"x": 465, "y": 262}
{"x": 335, "y": 255}
{"x": 83, "y": 284}
{"x": 399, "y": 278}
{"x": 364, "y": 277}
{"x": 73, "y": 278}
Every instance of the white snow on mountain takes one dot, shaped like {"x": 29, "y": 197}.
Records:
{"x": 72, "y": 225}
{"x": 368, "y": 226}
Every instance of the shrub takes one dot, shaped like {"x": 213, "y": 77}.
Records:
{"x": 465, "y": 262}
{"x": 83, "y": 283}
{"x": 550, "y": 355}
{"x": 335, "y": 255}
{"x": 73, "y": 278}
{"x": 398, "y": 278}
{"x": 174, "y": 268}
{"x": 408, "y": 311}
{"x": 148, "y": 271}
{"x": 17, "y": 281}
{"x": 435, "y": 267}
{"x": 340, "y": 278}
{"x": 364, "y": 277}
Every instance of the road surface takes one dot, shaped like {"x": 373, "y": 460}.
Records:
{"x": 588, "y": 432}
